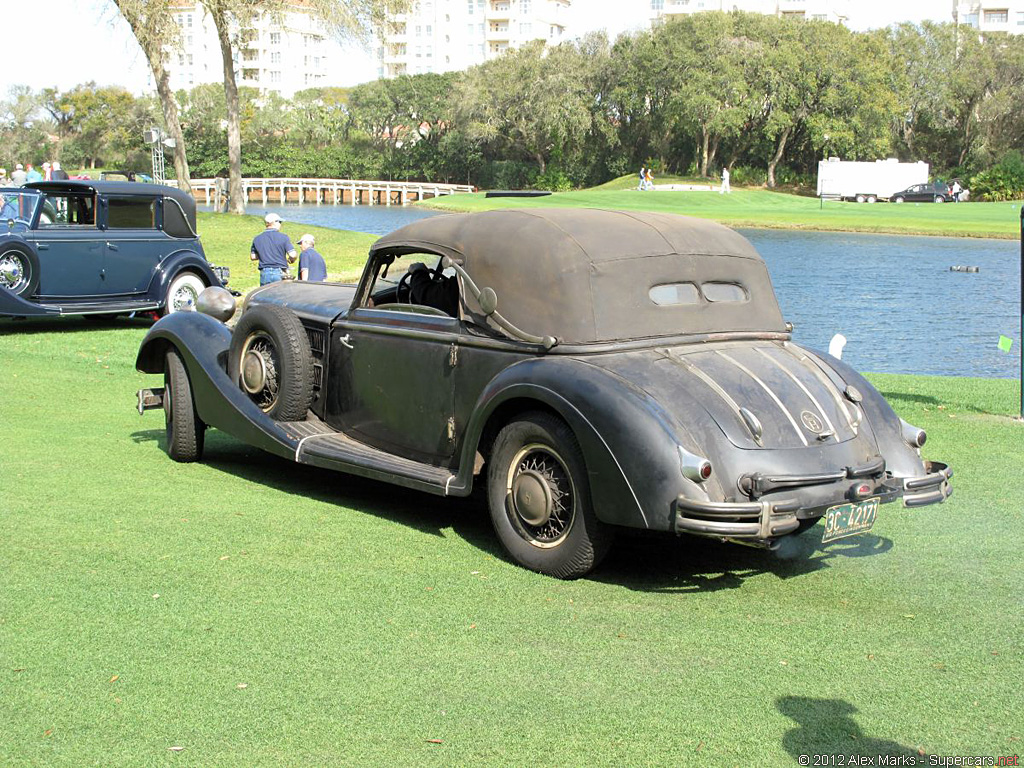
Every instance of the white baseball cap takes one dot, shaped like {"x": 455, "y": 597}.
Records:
{"x": 272, "y": 218}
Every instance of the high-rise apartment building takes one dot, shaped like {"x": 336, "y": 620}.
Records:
{"x": 283, "y": 53}
{"x": 988, "y": 16}
{"x": 446, "y": 35}
{"x": 821, "y": 10}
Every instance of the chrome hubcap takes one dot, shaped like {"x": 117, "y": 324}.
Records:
{"x": 259, "y": 370}
{"x": 184, "y": 299}
{"x": 12, "y": 272}
{"x": 541, "y": 498}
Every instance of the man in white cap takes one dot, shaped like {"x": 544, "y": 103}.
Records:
{"x": 311, "y": 263}
{"x": 19, "y": 176}
{"x": 272, "y": 250}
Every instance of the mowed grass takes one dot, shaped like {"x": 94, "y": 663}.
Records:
{"x": 227, "y": 239}
{"x": 248, "y": 611}
{"x": 761, "y": 208}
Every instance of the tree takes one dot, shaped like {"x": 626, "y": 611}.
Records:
{"x": 153, "y": 25}
{"x": 233, "y": 21}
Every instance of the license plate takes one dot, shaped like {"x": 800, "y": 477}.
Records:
{"x": 845, "y": 520}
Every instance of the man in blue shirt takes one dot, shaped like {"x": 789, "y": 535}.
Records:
{"x": 311, "y": 263}
{"x": 272, "y": 250}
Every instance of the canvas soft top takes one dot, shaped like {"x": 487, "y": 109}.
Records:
{"x": 585, "y": 275}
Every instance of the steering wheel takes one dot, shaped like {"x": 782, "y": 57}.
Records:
{"x": 403, "y": 284}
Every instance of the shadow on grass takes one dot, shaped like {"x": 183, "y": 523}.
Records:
{"x": 825, "y": 727}
{"x": 30, "y": 325}
{"x": 640, "y": 560}
{"x": 423, "y": 512}
{"x": 659, "y": 562}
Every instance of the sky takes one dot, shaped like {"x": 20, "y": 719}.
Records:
{"x": 99, "y": 45}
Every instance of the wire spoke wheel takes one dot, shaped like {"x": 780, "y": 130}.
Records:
{"x": 540, "y": 496}
{"x": 15, "y": 272}
{"x": 260, "y": 368}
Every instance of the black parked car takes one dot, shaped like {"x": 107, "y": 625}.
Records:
{"x": 602, "y": 369}
{"x": 934, "y": 192}
{"x": 100, "y": 247}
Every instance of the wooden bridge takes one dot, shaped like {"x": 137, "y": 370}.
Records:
{"x": 326, "y": 191}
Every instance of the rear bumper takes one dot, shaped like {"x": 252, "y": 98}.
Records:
{"x": 759, "y": 521}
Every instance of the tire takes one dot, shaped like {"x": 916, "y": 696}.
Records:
{"x": 872, "y": 199}
{"x": 270, "y": 360}
{"x": 939, "y": 199}
{"x": 538, "y": 457}
{"x": 19, "y": 269}
{"x": 185, "y": 430}
{"x": 183, "y": 293}
{"x": 898, "y": 199}
{"x": 860, "y": 198}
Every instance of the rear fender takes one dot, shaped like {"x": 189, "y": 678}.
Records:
{"x": 900, "y": 459}
{"x": 629, "y": 446}
{"x": 203, "y": 345}
{"x": 175, "y": 264}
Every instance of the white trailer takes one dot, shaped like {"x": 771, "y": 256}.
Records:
{"x": 868, "y": 182}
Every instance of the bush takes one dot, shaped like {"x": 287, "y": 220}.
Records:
{"x": 747, "y": 176}
{"x": 1003, "y": 181}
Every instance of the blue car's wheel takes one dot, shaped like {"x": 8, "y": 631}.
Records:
{"x": 539, "y": 498}
{"x": 19, "y": 269}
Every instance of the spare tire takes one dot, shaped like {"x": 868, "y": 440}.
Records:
{"x": 19, "y": 268}
{"x": 270, "y": 360}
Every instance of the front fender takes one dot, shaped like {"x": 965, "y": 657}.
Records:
{"x": 203, "y": 345}
{"x": 173, "y": 265}
{"x": 629, "y": 445}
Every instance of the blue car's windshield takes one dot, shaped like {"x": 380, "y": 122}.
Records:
{"x": 17, "y": 207}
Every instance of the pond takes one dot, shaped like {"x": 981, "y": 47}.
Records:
{"x": 893, "y": 297}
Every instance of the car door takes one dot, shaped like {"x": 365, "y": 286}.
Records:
{"x": 134, "y": 245}
{"x": 69, "y": 247}
{"x": 392, "y": 381}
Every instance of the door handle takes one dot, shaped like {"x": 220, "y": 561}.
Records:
{"x": 345, "y": 341}
{"x": 111, "y": 246}
{"x": 43, "y": 247}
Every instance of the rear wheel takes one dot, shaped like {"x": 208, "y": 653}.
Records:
{"x": 183, "y": 293}
{"x": 860, "y": 198}
{"x": 940, "y": 199}
{"x": 872, "y": 199}
{"x": 270, "y": 359}
{"x": 185, "y": 430}
{"x": 897, "y": 199}
{"x": 539, "y": 499}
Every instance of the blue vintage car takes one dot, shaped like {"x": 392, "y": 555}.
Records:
{"x": 100, "y": 248}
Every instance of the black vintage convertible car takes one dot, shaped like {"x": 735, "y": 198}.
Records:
{"x": 596, "y": 370}
{"x": 100, "y": 248}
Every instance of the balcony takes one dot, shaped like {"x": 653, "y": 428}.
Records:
{"x": 499, "y": 9}
{"x": 497, "y": 33}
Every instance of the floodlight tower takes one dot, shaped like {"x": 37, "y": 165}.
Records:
{"x": 157, "y": 140}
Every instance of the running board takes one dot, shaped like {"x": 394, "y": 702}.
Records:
{"x": 321, "y": 446}
{"x": 97, "y": 308}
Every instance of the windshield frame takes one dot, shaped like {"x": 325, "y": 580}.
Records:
{"x": 30, "y": 207}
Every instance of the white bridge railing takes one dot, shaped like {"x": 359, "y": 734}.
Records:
{"x": 324, "y": 191}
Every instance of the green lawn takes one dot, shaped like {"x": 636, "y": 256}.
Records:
{"x": 761, "y": 208}
{"x": 252, "y": 612}
{"x": 227, "y": 239}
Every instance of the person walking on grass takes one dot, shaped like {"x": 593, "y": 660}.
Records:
{"x": 643, "y": 179}
{"x": 311, "y": 264}
{"x": 726, "y": 189}
{"x": 272, "y": 250}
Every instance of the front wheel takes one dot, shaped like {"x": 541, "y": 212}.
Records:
{"x": 185, "y": 430}
{"x": 539, "y": 499}
{"x": 897, "y": 199}
{"x": 940, "y": 199}
{"x": 183, "y": 293}
{"x": 19, "y": 269}
{"x": 860, "y": 198}
{"x": 872, "y": 199}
